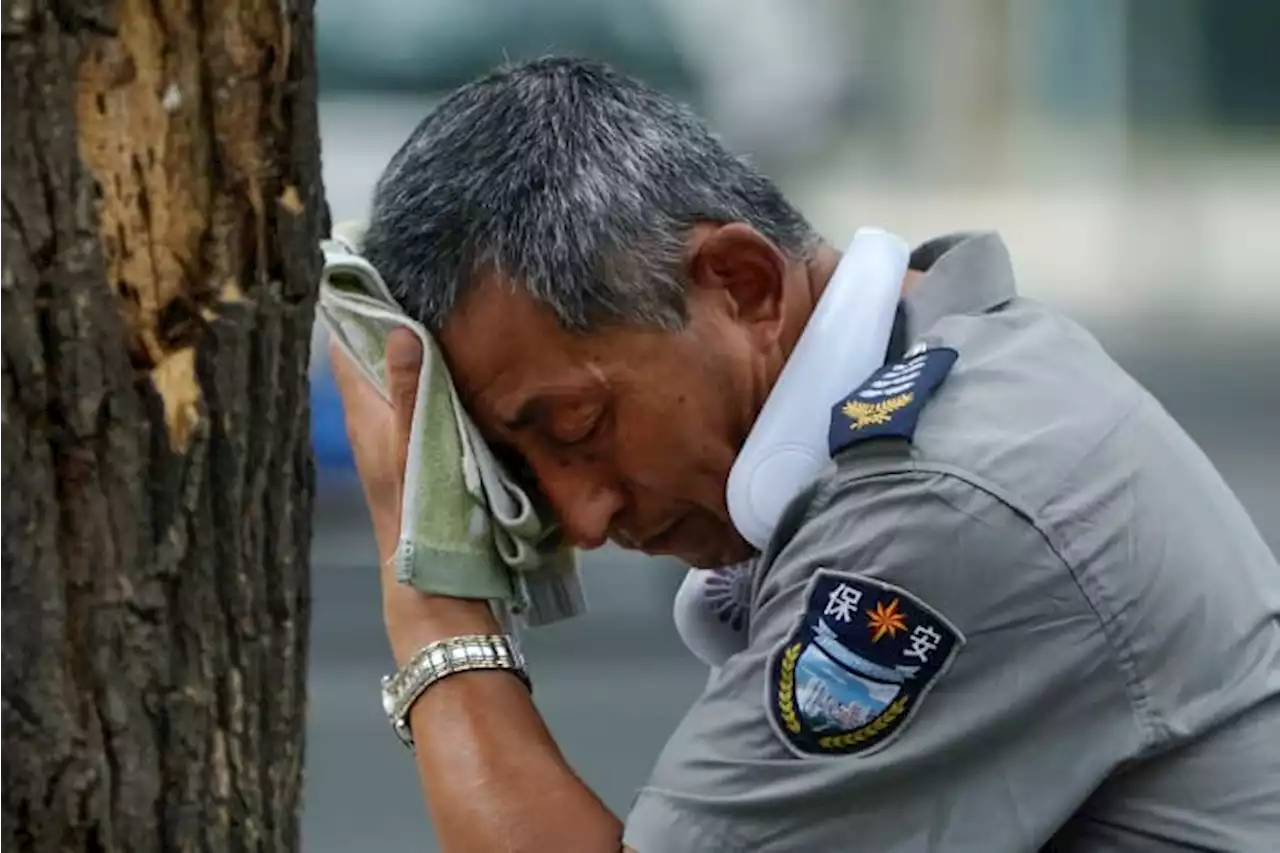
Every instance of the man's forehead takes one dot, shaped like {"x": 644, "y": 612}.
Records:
{"x": 508, "y": 356}
{"x": 492, "y": 303}
{"x": 511, "y": 386}
{"x": 493, "y": 330}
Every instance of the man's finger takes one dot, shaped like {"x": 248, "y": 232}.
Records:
{"x": 345, "y": 374}
{"x": 404, "y": 364}
{"x": 356, "y": 391}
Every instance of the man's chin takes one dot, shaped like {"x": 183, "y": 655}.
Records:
{"x": 698, "y": 557}
{"x": 728, "y": 554}
{"x": 725, "y": 548}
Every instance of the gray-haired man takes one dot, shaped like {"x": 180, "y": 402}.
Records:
{"x": 1020, "y": 612}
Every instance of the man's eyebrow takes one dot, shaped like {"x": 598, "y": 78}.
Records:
{"x": 530, "y": 412}
{"x": 538, "y": 406}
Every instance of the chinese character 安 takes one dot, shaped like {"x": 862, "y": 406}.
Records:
{"x": 923, "y": 641}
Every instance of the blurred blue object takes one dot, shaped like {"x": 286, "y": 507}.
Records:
{"x": 328, "y": 427}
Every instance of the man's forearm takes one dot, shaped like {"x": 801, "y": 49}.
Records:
{"x": 493, "y": 777}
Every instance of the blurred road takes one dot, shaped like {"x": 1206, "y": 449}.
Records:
{"x": 614, "y": 684}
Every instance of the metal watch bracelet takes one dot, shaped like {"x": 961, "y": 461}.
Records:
{"x": 431, "y": 663}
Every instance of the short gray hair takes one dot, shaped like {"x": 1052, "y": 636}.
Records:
{"x": 571, "y": 180}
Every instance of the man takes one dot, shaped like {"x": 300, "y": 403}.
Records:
{"x": 1027, "y": 615}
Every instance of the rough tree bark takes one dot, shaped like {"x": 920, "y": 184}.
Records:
{"x": 162, "y": 201}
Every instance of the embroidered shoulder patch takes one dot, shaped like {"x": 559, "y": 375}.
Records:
{"x": 890, "y": 401}
{"x": 859, "y": 663}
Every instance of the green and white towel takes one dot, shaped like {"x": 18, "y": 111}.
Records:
{"x": 468, "y": 529}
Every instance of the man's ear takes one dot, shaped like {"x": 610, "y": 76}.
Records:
{"x": 747, "y": 270}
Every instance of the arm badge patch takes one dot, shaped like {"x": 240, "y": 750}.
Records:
{"x": 857, "y": 667}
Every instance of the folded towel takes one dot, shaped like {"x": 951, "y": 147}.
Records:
{"x": 468, "y": 529}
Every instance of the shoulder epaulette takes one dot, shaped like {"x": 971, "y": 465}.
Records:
{"x": 889, "y": 403}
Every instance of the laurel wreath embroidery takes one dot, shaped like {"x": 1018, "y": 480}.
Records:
{"x": 787, "y": 688}
{"x": 870, "y": 730}
{"x": 787, "y": 707}
{"x": 862, "y": 414}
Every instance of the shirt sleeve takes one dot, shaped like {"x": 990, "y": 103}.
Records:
{"x": 923, "y": 673}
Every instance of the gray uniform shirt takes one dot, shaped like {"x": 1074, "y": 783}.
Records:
{"x": 1079, "y": 647}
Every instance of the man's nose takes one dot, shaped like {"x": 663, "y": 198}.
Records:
{"x": 584, "y": 506}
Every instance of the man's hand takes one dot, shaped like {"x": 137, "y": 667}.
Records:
{"x": 493, "y": 777}
{"x": 379, "y": 433}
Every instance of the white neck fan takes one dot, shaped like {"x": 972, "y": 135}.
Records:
{"x": 843, "y": 343}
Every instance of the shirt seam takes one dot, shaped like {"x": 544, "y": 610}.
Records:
{"x": 1139, "y": 697}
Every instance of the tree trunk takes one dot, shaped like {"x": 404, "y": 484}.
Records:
{"x": 162, "y": 202}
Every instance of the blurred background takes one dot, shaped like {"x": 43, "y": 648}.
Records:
{"x": 1128, "y": 150}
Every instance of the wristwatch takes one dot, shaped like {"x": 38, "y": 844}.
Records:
{"x": 441, "y": 659}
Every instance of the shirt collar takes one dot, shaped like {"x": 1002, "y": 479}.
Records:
{"x": 964, "y": 273}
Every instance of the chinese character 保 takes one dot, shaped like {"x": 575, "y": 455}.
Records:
{"x": 923, "y": 640}
{"x": 842, "y": 603}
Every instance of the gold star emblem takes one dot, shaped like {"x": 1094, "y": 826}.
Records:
{"x": 886, "y": 620}
{"x": 862, "y": 414}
